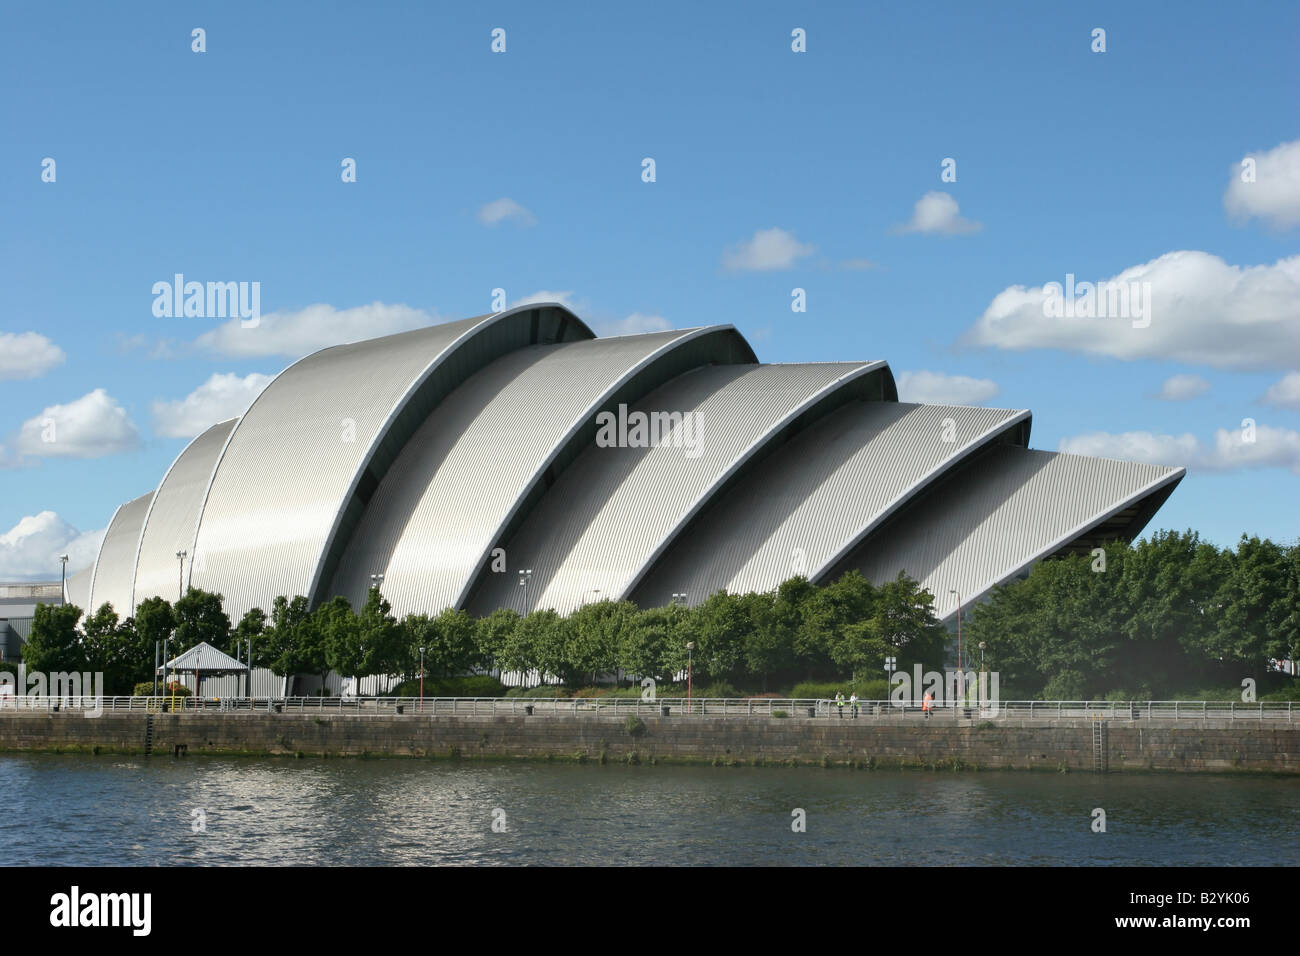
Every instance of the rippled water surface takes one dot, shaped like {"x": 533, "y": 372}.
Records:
{"x": 71, "y": 810}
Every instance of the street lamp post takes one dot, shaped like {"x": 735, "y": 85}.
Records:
{"x": 180, "y": 575}
{"x": 524, "y": 575}
{"x": 376, "y": 580}
{"x": 421, "y": 680}
{"x": 982, "y": 646}
{"x": 959, "y": 661}
{"x": 63, "y": 594}
{"x": 690, "y": 650}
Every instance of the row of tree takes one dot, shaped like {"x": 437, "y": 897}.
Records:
{"x": 1151, "y": 619}
{"x": 1158, "y": 618}
{"x": 798, "y": 631}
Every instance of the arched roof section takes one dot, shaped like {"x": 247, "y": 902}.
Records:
{"x": 492, "y": 448}
{"x": 990, "y": 520}
{"x": 173, "y": 515}
{"x": 302, "y": 462}
{"x": 110, "y": 582}
{"x": 809, "y": 502}
{"x": 616, "y": 510}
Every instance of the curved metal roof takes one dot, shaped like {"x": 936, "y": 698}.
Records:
{"x": 817, "y": 496}
{"x": 304, "y": 459}
{"x": 173, "y": 515}
{"x": 991, "y": 519}
{"x": 110, "y": 582}
{"x": 617, "y": 508}
{"x": 491, "y": 447}
{"x": 78, "y": 588}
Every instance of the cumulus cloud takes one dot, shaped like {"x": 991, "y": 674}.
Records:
{"x": 296, "y": 333}
{"x": 768, "y": 250}
{"x": 27, "y": 355}
{"x": 1233, "y": 449}
{"x": 565, "y": 299}
{"x": 633, "y": 324}
{"x": 1181, "y": 388}
{"x": 1274, "y": 196}
{"x": 936, "y": 213}
{"x": 1200, "y": 310}
{"x": 93, "y": 426}
{"x": 29, "y": 551}
{"x": 1284, "y": 393}
{"x": 505, "y": 210}
{"x": 936, "y": 388}
{"x": 221, "y": 397}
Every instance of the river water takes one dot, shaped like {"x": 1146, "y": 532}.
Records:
{"x": 74, "y": 810}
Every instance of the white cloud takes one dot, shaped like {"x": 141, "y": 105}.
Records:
{"x": 1181, "y": 388}
{"x": 1284, "y": 393}
{"x": 1230, "y": 451}
{"x": 27, "y": 355}
{"x": 505, "y": 210}
{"x": 93, "y": 426}
{"x": 1274, "y": 196}
{"x": 1201, "y": 311}
{"x": 29, "y": 551}
{"x": 937, "y": 213}
{"x": 859, "y": 265}
{"x": 316, "y": 327}
{"x": 634, "y": 324}
{"x": 768, "y": 250}
{"x": 565, "y": 299}
{"x": 936, "y": 388}
{"x": 221, "y": 397}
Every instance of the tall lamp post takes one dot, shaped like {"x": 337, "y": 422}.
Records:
{"x": 680, "y": 598}
{"x": 421, "y": 680}
{"x": 376, "y": 581}
{"x": 180, "y": 575}
{"x": 982, "y": 646}
{"x": 959, "y": 661}
{"x": 524, "y": 575}
{"x": 63, "y": 595}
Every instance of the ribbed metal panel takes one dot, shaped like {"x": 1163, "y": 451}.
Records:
{"x": 79, "y": 588}
{"x": 992, "y": 519}
{"x": 811, "y": 500}
{"x": 115, "y": 566}
{"x": 174, "y": 514}
{"x": 463, "y": 476}
{"x": 308, "y": 453}
{"x": 615, "y": 509}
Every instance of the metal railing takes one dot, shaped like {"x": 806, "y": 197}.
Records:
{"x": 712, "y": 707}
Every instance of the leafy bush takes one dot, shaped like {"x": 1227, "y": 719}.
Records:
{"x": 477, "y": 685}
{"x": 809, "y": 690}
{"x": 143, "y": 690}
{"x": 175, "y": 689}
{"x": 635, "y": 725}
{"x": 716, "y": 689}
{"x": 589, "y": 692}
{"x": 780, "y": 713}
{"x": 546, "y": 690}
{"x": 1286, "y": 693}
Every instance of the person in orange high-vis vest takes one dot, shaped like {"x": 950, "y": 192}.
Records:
{"x": 927, "y": 703}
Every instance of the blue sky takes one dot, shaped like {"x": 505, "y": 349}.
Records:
{"x": 774, "y": 170}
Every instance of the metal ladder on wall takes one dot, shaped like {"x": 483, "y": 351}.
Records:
{"x": 1100, "y": 746}
{"x": 148, "y": 735}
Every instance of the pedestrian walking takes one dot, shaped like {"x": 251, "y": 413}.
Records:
{"x": 853, "y": 703}
{"x": 839, "y": 704}
{"x": 927, "y": 703}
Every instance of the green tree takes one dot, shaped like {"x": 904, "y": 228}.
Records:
{"x": 293, "y": 640}
{"x": 250, "y": 628}
{"x": 385, "y": 645}
{"x": 200, "y": 618}
{"x": 54, "y": 644}
{"x": 340, "y": 634}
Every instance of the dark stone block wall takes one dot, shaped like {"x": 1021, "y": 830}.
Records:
{"x": 1187, "y": 745}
